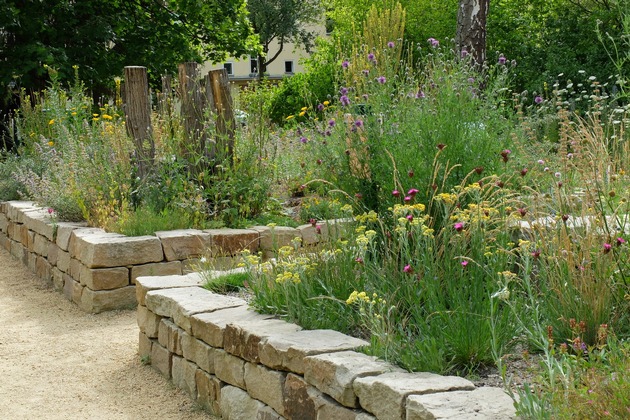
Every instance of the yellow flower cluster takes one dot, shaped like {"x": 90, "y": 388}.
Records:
{"x": 446, "y": 198}
{"x": 475, "y": 213}
{"x": 400, "y": 210}
{"x": 371, "y": 216}
{"x": 357, "y": 296}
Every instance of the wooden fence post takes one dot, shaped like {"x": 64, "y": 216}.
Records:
{"x": 138, "y": 116}
{"x": 226, "y": 124}
{"x": 192, "y": 109}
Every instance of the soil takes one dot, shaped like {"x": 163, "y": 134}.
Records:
{"x": 57, "y": 362}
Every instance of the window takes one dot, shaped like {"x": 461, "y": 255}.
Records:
{"x": 288, "y": 67}
{"x": 229, "y": 68}
{"x": 253, "y": 65}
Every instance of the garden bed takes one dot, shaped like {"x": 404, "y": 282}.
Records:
{"x": 240, "y": 364}
{"x": 98, "y": 270}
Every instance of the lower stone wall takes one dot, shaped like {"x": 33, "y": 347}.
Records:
{"x": 239, "y": 364}
{"x": 98, "y": 270}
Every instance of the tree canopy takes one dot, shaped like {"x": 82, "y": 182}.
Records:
{"x": 101, "y": 37}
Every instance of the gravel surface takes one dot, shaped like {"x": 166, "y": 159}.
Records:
{"x": 57, "y": 362}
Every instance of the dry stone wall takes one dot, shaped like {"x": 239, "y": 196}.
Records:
{"x": 98, "y": 270}
{"x": 241, "y": 365}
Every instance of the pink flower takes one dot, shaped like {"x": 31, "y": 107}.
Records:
{"x": 408, "y": 269}
{"x": 313, "y": 222}
{"x": 410, "y": 217}
{"x": 620, "y": 241}
{"x": 396, "y": 193}
{"x": 50, "y": 210}
{"x": 412, "y": 192}
{"x": 459, "y": 226}
{"x": 607, "y": 248}
{"x": 318, "y": 229}
{"x": 359, "y": 260}
{"x": 464, "y": 263}
{"x": 407, "y": 199}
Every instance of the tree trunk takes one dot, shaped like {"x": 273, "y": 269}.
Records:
{"x": 471, "y": 29}
{"x": 138, "y": 116}
{"x": 192, "y": 109}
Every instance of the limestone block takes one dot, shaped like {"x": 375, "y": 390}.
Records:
{"x": 161, "y": 359}
{"x": 64, "y": 231}
{"x": 287, "y": 351}
{"x": 4, "y": 223}
{"x": 208, "y": 391}
{"x": 198, "y": 352}
{"x": 104, "y": 278}
{"x": 210, "y": 327}
{"x": 144, "y": 346}
{"x": 184, "y": 243}
{"x": 96, "y": 301}
{"x": 265, "y": 385}
{"x": 181, "y": 303}
{"x": 170, "y": 336}
{"x": 482, "y": 404}
{"x": 53, "y": 253}
{"x": 236, "y": 404}
{"x": 63, "y": 261}
{"x": 27, "y": 237}
{"x": 14, "y": 209}
{"x": 75, "y": 269}
{"x": 72, "y": 290}
{"x": 31, "y": 261}
{"x": 334, "y": 373}
{"x": 384, "y": 395}
{"x": 114, "y": 250}
{"x": 148, "y": 322}
{"x": 183, "y": 373}
{"x": 268, "y": 413}
{"x": 331, "y": 410}
{"x": 310, "y": 235}
{"x": 272, "y": 239}
{"x": 146, "y": 284}
{"x": 324, "y": 231}
{"x": 229, "y": 242}
{"x": 243, "y": 338}
{"x": 229, "y": 369}
{"x": 40, "y": 222}
{"x": 40, "y": 245}
{"x": 301, "y": 401}
{"x": 57, "y": 279}
{"x": 156, "y": 269}
{"x": 43, "y": 269}
{"x": 13, "y": 231}
{"x": 5, "y": 242}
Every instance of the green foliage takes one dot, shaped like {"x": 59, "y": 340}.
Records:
{"x": 102, "y": 37}
{"x": 146, "y": 221}
{"x": 231, "y": 282}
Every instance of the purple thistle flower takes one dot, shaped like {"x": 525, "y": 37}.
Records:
{"x": 345, "y": 64}
{"x": 345, "y": 101}
{"x": 391, "y": 44}
{"x": 365, "y": 72}
{"x": 420, "y": 94}
{"x": 371, "y": 58}
{"x": 303, "y": 140}
{"x": 381, "y": 80}
{"x": 327, "y": 133}
{"x": 343, "y": 90}
{"x": 320, "y": 107}
{"x": 464, "y": 53}
{"x": 538, "y": 99}
{"x": 502, "y": 60}
{"x": 332, "y": 122}
{"x": 358, "y": 123}
{"x": 434, "y": 42}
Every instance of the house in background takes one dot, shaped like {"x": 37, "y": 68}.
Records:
{"x": 245, "y": 70}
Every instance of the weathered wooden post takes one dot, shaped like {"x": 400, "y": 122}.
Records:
{"x": 165, "y": 97}
{"x": 138, "y": 116}
{"x": 226, "y": 124}
{"x": 192, "y": 107}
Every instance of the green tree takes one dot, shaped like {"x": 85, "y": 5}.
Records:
{"x": 283, "y": 21}
{"x": 101, "y": 37}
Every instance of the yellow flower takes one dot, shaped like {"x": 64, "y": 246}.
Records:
{"x": 51, "y": 143}
{"x": 95, "y": 115}
{"x": 51, "y": 122}
{"x": 289, "y": 117}
{"x": 326, "y": 103}
{"x": 107, "y": 117}
{"x": 304, "y": 108}
{"x": 301, "y": 114}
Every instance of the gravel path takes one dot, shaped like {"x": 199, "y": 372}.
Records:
{"x": 57, "y": 362}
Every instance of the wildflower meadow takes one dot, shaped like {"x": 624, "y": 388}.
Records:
{"x": 481, "y": 225}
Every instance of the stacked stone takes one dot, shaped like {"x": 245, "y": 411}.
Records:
{"x": 239, "y": 364}
{"x": 97, "y": 270}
